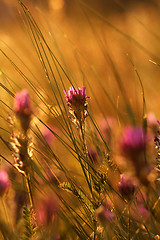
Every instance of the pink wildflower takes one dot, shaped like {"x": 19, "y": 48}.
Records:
{"x": 126, "y": 187}
{"x": 133, "y": 145}
{"x": 22, "y": 108}
{"x": 133, "y": 142}
{"x": 4, "y": 182}
{"x": 22, "y": 103}
{"x": 76, "y": 97}
{"x": 76, "y": 100}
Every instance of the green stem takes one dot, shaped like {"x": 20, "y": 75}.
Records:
{"x": 88, "y": 178}
{"x": 28, "y": 185}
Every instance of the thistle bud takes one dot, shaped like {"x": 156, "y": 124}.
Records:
{"x": 22, "y": 108}
{"x": 126, "y": 187}
{"x": 76, "y": 101}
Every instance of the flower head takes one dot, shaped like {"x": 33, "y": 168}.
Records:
{"x": 133, "y": 145}
{"x": 76, "y": 100}
{"x": 133, "y": 142}
{"x": 22, "y": 103}
{"x": 76, "y": 97}
{"x": 126, "y": 187}
{"x": 22, "y": 108}
{"x": 4, "y": 182}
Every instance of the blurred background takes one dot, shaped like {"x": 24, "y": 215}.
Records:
{"x": 93, "y": 40}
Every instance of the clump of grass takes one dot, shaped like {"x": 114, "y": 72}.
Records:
{"x": 80, "y": 179}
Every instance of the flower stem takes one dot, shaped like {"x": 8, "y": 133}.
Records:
{"x": 28, "y": 185}
{"x": 88, "y": 178}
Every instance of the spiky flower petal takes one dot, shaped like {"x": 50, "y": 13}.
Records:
{"x": 76, "y": 101}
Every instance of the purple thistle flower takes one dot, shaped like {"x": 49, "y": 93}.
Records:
{"x": 76, "y": 97}
{"x": 22, "y": 108}
{"x": 4, "y": 182}
{"x": 76, "y": 100}
{"x": 133, "y": 142}
{"x": 126, "y": 187}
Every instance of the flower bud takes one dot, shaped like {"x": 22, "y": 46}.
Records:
{"x": 133, "y": 142}
{"x": 22, "y": 108}
{"x": 126, "y": 187}
{"x": 77, "y": 103}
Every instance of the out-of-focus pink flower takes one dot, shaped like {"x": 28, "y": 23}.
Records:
{"x": 22, "y": 103}
{"x": 46, "y": 210}
{"x": 140, "y": 212}
{"x": 126, "y": 187}
{"x": 133, "y": 142}
{"x": 133, "y": 145}
{"x": 104, "y": 214}
{"x": 4, "y": 182}
{"x": 76, "y": 100}
{"x": 143, "y": 211}
{"x": 22, "y": 108}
